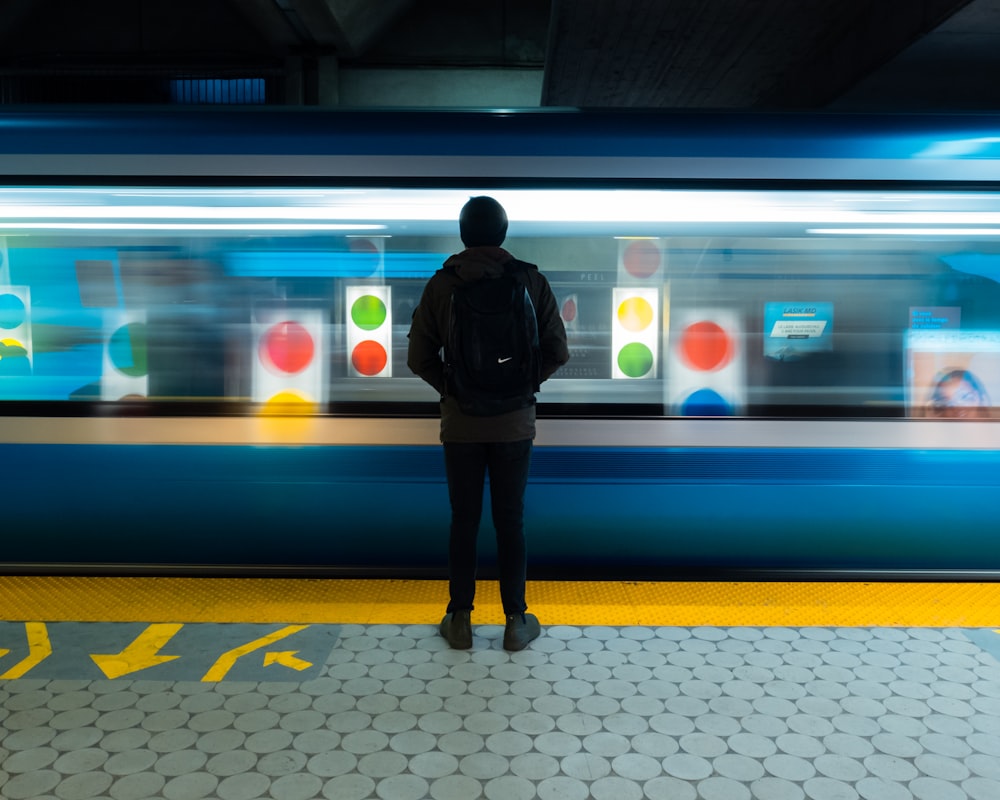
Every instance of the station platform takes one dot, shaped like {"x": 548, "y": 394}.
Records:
{"x": 290, "y": 689}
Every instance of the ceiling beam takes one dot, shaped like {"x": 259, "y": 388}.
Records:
{"x": 348, "y": 27}
{"x": 762, "y": 54}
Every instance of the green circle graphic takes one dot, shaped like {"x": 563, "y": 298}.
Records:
{"x": 127, "y": 349}
{"x": 368, "y": 312}
{"x": 635, "y": 360}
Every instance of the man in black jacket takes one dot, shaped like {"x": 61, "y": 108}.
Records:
{"x": 500, "y": 444}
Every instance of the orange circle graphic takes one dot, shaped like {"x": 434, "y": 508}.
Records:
{"x": 706, "y": 346}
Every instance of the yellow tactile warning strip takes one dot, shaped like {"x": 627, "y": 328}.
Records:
{"x": 616, "y": 603}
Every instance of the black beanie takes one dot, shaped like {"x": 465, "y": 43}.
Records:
{"x": 482, "y": 222}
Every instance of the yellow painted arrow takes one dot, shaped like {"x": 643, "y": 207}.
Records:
{"x": 286, "y": 658}
{"x": 226, "y": 661}
{"x": 140, "y": 654}
{"x": 39, "y": 649}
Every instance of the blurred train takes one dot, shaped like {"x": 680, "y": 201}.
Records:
{"x": 785, "y": 339}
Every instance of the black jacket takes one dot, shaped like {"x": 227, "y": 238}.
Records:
{"x": 429, "y": 330}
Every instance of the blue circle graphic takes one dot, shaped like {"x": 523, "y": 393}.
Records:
{"x": 12, "y": 311}
{"x": 706, "y": 403}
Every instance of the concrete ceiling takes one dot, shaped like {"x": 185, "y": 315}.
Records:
{"x": 892, "y": 55}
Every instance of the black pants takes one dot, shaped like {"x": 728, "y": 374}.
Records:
{"x": 466, "y": 465}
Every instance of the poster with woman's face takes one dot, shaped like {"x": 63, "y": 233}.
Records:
{"x": 953, "y": 374}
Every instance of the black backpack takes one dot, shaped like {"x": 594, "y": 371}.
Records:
{"x": 492, "y": 358}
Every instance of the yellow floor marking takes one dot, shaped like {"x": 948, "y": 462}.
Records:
{"x": 140, "y": 654}
{"x": 616, "y": 603}
{"x": 287, "y": 658}
{"x": 226, "y": 661}
{"x": 39, "y": 649}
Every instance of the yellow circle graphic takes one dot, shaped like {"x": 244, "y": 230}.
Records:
{"x": 635, "y": 314}
{"x": 289, "y": 403}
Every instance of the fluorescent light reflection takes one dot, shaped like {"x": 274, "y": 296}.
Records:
{"x": 905, "y": 231}
{"x": 188, "y": 226}
{"x": 651, "y": 212}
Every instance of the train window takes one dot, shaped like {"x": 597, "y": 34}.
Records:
{"x": 677, "y": 302}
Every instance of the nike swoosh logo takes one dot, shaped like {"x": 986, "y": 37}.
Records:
{"x": 505, "y": 360}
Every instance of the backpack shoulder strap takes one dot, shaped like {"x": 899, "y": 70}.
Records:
{"x": 515, "y": 265}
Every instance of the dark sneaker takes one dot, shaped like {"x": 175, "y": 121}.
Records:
{"x": 521, "y": 629}
{"x": 456, "y": 627}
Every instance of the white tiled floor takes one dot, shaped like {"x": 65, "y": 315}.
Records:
{"x": 604, "y": 713}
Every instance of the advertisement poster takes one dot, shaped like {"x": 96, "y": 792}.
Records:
{"x": 952, "y": 374}
{"x": 934, "y": 318}
{"x": 794, "y": 330}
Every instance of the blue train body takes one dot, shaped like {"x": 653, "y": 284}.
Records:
{"x": 821, "y": 279}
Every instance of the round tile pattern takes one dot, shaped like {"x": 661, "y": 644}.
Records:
{"x": 698, "y": 713}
